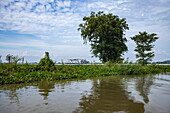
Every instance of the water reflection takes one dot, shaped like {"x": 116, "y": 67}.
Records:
{"x": 133, "y": 94}
{"x": 45, "y": 88}
{"x": 108, "y": 95}
{"x": 143, "y": 85}
{"x": 13, "y": 91}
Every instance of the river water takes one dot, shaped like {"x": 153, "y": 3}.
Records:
{"x": 113, "y": 94}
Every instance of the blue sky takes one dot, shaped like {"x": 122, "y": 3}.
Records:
{"x": 28, "y": 28}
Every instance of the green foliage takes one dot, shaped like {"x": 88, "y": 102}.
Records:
{"x": 46, "y": 64}
{"x": 144, "y": 46}
{"x": 12, "y": 59}
{"x": 9, "y": 58}
{"x": 28, "y": 73}
{"x": 105, "y": 32}
{"x": 11, "y": 66}
{"x": 15, "y": 59}
{"x": 109, "y": 64}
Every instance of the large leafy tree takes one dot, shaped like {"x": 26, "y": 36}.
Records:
{"x": 105, "y": 32}
{"x": 144, "y": 46}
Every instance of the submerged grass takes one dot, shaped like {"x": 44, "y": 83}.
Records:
{"x": 28, "y": 73}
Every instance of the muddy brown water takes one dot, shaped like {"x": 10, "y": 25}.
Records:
{"x": 114, "y": 94}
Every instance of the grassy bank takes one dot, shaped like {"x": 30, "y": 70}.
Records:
{"x": 28, "y": 73}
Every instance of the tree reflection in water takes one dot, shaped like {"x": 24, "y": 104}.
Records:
{"x": 13, "y": 91}
{"x": 143, "y": 85}
{"x": 45, "y": 88}
{"x": 108, "y": 95}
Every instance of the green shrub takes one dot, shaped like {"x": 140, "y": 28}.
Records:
{"x": 46, "y": 64}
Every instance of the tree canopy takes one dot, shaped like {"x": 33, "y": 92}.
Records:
{"x": 105, "y": 32}
{"x": 144, "y": 46}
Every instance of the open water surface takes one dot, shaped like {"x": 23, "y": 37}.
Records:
{"x": 114, "y": 94}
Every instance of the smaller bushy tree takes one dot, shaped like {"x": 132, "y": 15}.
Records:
{"x": 15, "y": 59}
{"x": 144, "y": 46}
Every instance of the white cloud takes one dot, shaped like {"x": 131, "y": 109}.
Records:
{"x": 158, "y": 10}
{"x": 63, "y": 3}
{"x": 25, "y": 53}
{"x": 33, "y": 23}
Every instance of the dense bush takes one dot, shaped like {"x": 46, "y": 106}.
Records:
{"x": 46, "y": 64}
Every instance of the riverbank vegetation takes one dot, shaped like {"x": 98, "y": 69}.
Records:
{"x": 29, "y": 73}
